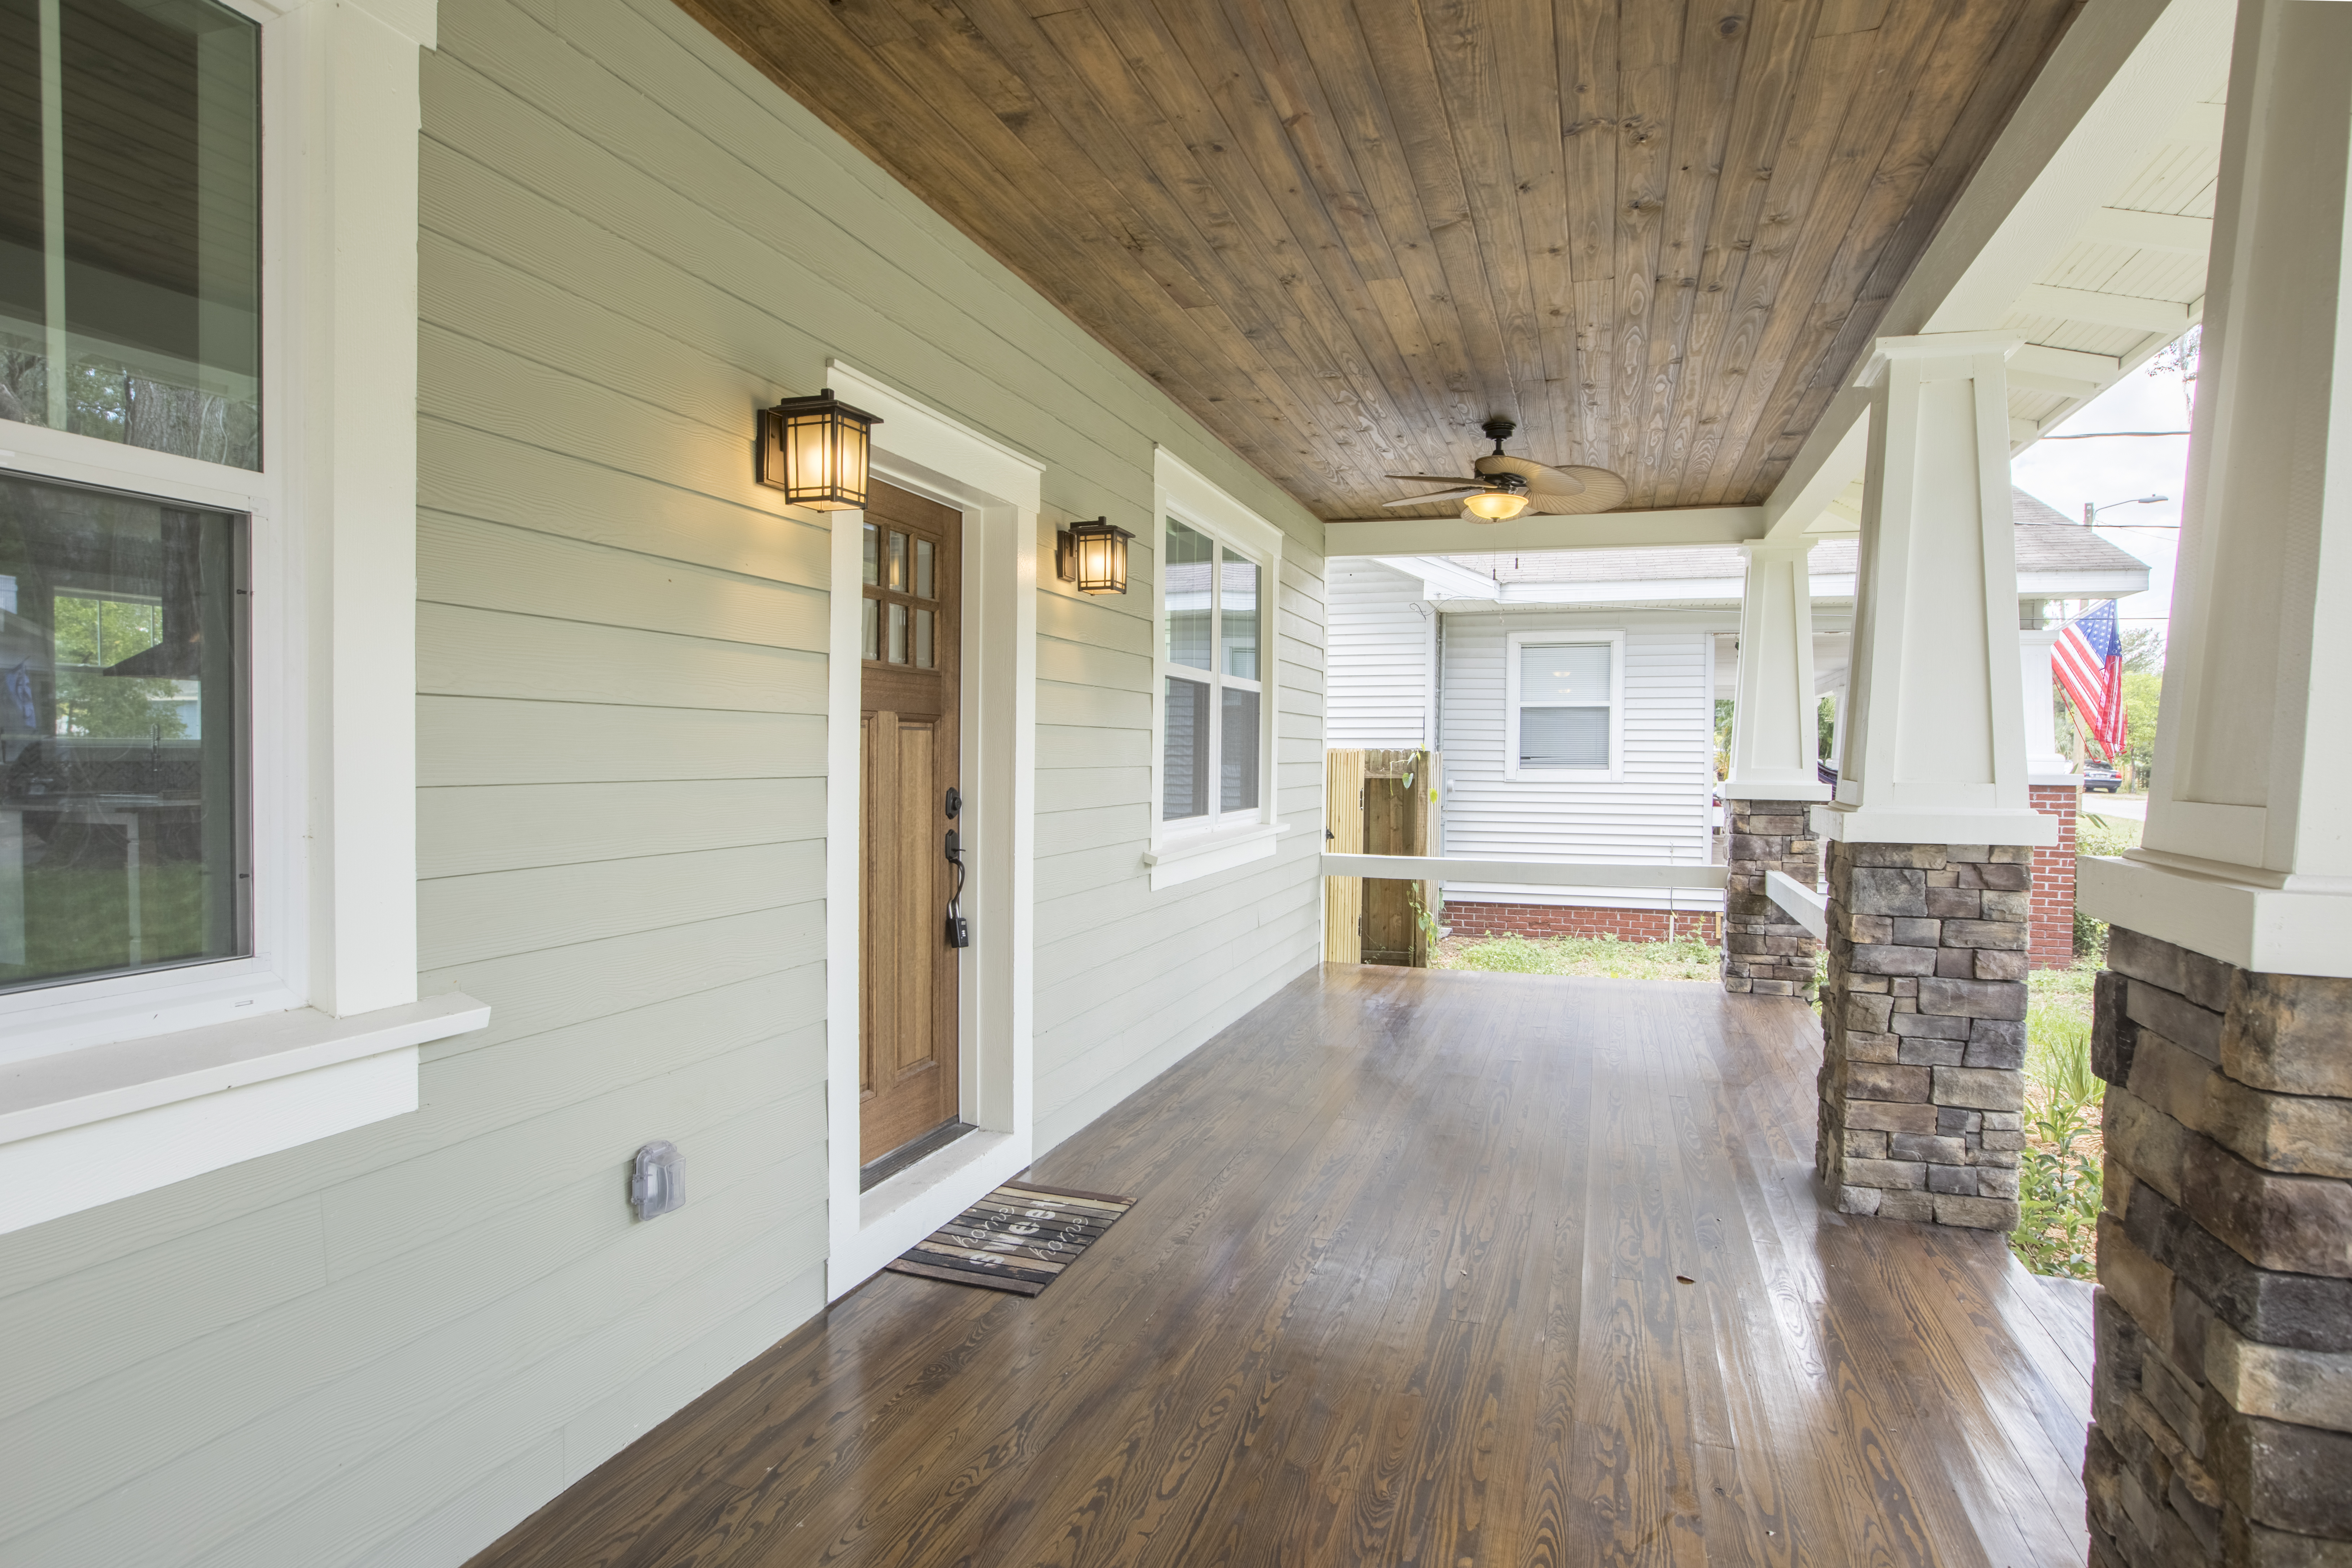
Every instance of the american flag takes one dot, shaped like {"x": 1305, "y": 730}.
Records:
{"x": 2089, "y": 663}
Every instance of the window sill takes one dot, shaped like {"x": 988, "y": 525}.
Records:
{"x": 84, "y": 1127}
{"x": 1202, "y": 855}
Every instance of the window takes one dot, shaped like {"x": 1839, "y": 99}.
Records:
{"x": 1210, "y": 749}
{"x": 901, "y": 573}
{"x": 121, "y": 745}
{"x": 207, "y": 659}
{"x": 131, "y": 224}
{"x": 1563, "y": 701}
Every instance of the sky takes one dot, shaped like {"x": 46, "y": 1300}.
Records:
{"x": 2067, "y": 474}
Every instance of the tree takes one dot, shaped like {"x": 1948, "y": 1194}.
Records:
{"x": 1722, "y": 737}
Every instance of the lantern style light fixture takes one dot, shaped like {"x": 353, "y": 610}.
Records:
{"x": 814, "y": 450}
{"x": 1092, "y": 555}
{"x": 1505, "y": 497}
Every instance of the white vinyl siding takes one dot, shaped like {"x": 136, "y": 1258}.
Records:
{"x": 1383, "y": 658}
{"x": 1655, "y": 812}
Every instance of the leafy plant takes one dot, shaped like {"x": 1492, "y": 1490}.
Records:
{"x": 2058, "y": 1190}
{"x": 2058, "y": 1172}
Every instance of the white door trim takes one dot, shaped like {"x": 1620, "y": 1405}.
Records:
{"x": 998, "y": 490}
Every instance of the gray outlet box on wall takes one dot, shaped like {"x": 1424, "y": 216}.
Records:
{"x": 657, "y": 1181}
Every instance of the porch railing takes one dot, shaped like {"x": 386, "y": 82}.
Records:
{"x": 1533, "y": 873}
{"x": 1808, "y": 908}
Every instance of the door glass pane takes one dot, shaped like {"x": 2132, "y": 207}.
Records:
{"x": 1237, "y": 766}
{"x": 923, "y": 638}
{"x": 898, "y": 634}
{"x": 897, "y": 582}
{"x": 130, "y": 223}
{"x": 1563, "y": 737}
{"x": 122, "y": 766}
{"x": 1237, "y": 584}
{"x": 873, "y": 630}
{"x": 925, "y": 570}
{"x": 1184, "y": 783}
{"x": 1189, "y": 587}
{"x": 1566, "y": 672}
{"x": 873, "y": 556}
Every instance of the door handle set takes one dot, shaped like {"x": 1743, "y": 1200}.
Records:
{"x": 959, "y": 929}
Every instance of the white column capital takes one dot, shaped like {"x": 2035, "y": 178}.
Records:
{"x": 1935, "y": 346}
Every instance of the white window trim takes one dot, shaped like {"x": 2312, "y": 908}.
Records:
{"x": 1178, "y": 852}
{"x": 1512, "y": 643}
{"x": 319, "y": 1028}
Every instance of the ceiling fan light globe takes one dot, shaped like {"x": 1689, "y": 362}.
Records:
{"x": 1496, "y": 506}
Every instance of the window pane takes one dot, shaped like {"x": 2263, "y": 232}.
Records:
{"x": 1184, "y": 790}
{"x": 1566, "y": 672}
{"x": 923, "y": 638}
{"x": 1563, "y": 737}
{"x": 897, "y": 582}
{"x": 873, "y": 556}
{"x": 1237, "y": 581}
{"x": 1190, "y": 560}
{"x": 122, "y": 648}
{"x": 874, "y": 628}
{"x": 925, "y": 570}
{"x": 898, "y": 634}
{"x": 129, "y": 225}
{"x": 1238, "y": 764}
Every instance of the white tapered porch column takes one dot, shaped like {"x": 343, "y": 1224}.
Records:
{"x": 2223, "y": 1021}
{"x": 1773, "y": 779}
{"x": 2045, "y": 765}
{"x": 2247, "y": 856}
{"x": 1931, "y": 834}
{"x": 1774, "y": 736}
{"x": 1934, "y": 745}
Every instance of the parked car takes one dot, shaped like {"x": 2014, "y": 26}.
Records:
{"x": 2098, "y": 775}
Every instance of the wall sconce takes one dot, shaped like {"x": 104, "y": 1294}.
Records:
{"x": 1092, "y": 555}
{"x": 815, "y": 449}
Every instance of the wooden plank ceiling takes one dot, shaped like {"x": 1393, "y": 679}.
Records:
{"x": 1342, "y": 233}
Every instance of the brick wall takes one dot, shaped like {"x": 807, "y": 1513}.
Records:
{"x": 2222, "y": 1398}
{"x": 1477, "y": 920}
{"x": 2053, "y": 944}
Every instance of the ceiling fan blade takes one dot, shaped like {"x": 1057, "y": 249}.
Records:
{"x": 1447, "y": 479}
{"x": 1455, "y": 494}
{"x": 1601, "y": 491}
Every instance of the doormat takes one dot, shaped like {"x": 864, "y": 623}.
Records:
{"x": 1018, "y": 1238}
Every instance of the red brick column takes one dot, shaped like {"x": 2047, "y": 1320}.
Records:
{"x": 2053, "y": 942}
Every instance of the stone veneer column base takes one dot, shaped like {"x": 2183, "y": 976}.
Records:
{"x": 2221, "y": 1399}
{"x": 1764, "y": 950}
{"x": 1923, "y": 1032}
{"x": 2052, "y": 945}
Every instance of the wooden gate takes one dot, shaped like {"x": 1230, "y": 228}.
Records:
{"x": 1380, "y": 803}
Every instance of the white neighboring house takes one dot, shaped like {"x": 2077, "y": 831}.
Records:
{"x": 1636, "y": 646}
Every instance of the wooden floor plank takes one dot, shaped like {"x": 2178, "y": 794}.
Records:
{"x": 1425, "y": 1267}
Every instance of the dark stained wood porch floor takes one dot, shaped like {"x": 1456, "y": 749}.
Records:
{"x": 1429, "y": 1268}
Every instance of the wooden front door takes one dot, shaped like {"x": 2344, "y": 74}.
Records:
{"x": 913, "y": 669}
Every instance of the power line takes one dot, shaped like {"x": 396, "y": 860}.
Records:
{"x": 2108, "y": 435}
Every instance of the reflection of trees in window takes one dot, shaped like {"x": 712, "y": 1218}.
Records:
{"x": 93, "y": 635}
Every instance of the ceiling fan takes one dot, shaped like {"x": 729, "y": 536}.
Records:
{"x": 1505, "y": 486}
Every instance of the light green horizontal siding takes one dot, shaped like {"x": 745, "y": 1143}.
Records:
{"x": 389, "y": 1346}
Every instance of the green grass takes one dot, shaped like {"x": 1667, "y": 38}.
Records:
{"x": 1604, "y": 957}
